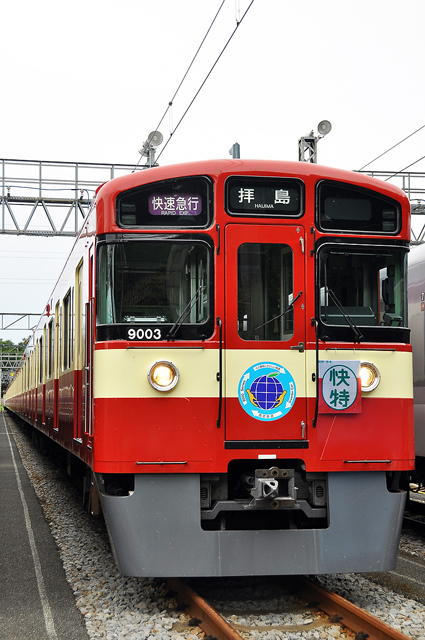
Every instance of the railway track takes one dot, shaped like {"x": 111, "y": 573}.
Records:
{"x": 414, "y": 521}
{"x": 321, "y": 608}
{"x": 414, "y": 516}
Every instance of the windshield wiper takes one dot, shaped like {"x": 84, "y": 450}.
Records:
{"x": 178, "y": 323}
{"x": 341, "y": 309}
{"x": 288, "y": 308}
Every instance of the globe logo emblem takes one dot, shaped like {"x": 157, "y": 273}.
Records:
{"x": 267, "y": 391}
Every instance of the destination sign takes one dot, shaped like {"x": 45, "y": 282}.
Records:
{"x": 265, "y": 197}
{"x": 183, "y": 204}
{"x": 178, "y": 202}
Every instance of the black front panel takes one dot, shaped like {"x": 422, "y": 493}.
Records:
{"x": 180, "y": 202}
{"x": 346, "y": 208}
{"x": 271, "y": 197}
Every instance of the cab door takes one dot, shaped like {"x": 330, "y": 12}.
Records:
{"x": 265, "y": 335}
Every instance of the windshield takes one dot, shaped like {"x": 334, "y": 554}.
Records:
{"x": 163, "y": 284}
{"x": 364, "y": 287}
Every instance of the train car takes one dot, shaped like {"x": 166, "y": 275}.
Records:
{"x": 226, "y": 352}
{"x": 416, "y": 297}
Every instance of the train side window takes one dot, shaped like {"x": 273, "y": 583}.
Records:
{"x": 65, "y": 334}
{"x": 56, "y": 339}
{"x": 68, "y": 329}
{"x": 343, "y": 208}
{"x": 40, "y": 360}
{"x": 33, "y": 366}
{"x": 50, "y": 348}
{"x": 265, "y": 291}
{"x": 79, "y": 321}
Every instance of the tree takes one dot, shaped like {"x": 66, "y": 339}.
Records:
{"x": 10, "y": 357}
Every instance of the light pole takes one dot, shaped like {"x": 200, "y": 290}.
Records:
{"x": 307, "y": 145}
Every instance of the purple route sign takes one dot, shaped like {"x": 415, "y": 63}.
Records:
{"x": 183, "y": 204}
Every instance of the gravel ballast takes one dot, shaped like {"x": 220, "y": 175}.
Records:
{"x": 119, "y": 607}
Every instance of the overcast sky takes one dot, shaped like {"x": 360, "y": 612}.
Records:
{"x": 88, "y": 80}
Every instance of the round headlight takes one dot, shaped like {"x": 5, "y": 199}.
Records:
{"x": 163, "y": 375}
{"x": 370, "y": 376}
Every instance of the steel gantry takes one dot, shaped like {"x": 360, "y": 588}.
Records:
{"x": 413, "y": 184}
{"x": 45, "y": 198}
{"x": 18, "y": 321}
{"x": 10, "y": 361}
{"x": 11, "y": 355}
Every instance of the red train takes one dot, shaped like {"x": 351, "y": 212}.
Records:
{"x": 227, "y": 353}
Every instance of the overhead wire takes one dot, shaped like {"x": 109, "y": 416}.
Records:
{"x": 401, "y": 170}
{"x": 238, "y": 23}
{"x": 170, "y": 104}
{"x": 32, "y": 254}
{"x": 29, "y": 255}
{"x": 393, "y": 147}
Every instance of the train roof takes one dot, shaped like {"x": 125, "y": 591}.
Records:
{"x": 225, "y": 167}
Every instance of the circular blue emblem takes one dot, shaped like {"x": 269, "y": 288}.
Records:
{"x": 267, "y": 391}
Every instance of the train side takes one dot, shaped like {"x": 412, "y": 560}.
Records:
{"x": 417, "y": 325}
{"x": 226, "y": 355}
{"x": 52, "y": 390}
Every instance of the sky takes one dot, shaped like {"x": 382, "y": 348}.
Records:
{"x": 86, "y": 81}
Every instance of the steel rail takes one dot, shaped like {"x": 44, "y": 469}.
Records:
{"x": 352, "y": 617}
{"x": 210, "y": 620}
{"x": 349, "y": 615}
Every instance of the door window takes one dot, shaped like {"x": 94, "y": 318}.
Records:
{"x": 265, "y": 291}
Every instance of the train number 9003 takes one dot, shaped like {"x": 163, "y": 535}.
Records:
{"x": 144, "y": 334}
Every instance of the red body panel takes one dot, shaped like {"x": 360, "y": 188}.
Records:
{"x": 241, "y": 426}
{"x": 139, "y": 431}
{"x": 50, "y": 406}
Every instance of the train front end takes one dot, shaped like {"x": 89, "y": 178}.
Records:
{"x": 252, "y": 384}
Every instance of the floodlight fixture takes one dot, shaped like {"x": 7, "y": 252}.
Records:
{"x": 323, "y": 128}
{"x": 150, "y": 145}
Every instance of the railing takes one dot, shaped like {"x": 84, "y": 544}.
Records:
{"x": 18, "y": 321}
{"x": 50, "y": 198}
{"x": 413, "y": 184}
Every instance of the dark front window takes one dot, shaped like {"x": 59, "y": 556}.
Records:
{"x": 271, "y": 197}
{"x": 181, "y": 202}
{"x": 265, "y": 291}
{"x": 362, "y": 293}
{"x": 347, "y": 208}
{"x": 155, "y": 289}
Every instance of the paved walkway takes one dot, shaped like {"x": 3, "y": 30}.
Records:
{"x": 36, "y": 601}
